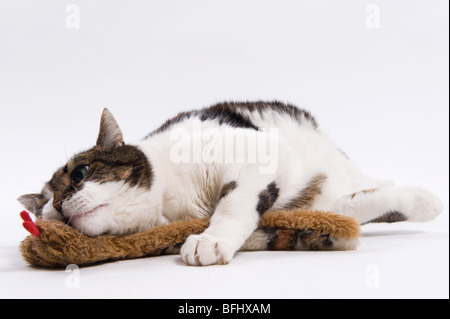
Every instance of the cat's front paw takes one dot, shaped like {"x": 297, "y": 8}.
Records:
{"x": 203, "y": 250}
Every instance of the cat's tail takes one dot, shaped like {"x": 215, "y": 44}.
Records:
{"x": 304, "y": 230}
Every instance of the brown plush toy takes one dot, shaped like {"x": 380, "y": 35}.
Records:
{"x": 54, "y": 244}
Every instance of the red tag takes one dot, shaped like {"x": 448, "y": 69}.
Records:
{"x": 28, "y": 224}
{"x": 25, "y": 216}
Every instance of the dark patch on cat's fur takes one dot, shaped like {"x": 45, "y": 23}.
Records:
{"x": 170, "y": 122}
{"x": 226, "y": 115}
{"x": 223, "y": 115}
{"x": 211, "y": 193}
{"x": 306, "y": 197}
{"x": 390, "y": 217}
{"x": 294, "y": 112}
{"x": 267, "y": 198}
{"x": 230, "y": 113}
{"x": 227, "y": 188}
{"x": 125, "y": 163}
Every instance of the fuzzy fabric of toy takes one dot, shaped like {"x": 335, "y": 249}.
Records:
{"x": 54, "y": 244}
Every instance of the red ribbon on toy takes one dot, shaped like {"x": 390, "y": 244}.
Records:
{"x": 28, "y": 224}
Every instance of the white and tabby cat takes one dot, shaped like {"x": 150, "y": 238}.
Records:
{"x": 119, "y": 188}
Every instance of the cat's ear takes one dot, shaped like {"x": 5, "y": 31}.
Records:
{"x": 32, "y": 202}
{"x": 110, "y": 135}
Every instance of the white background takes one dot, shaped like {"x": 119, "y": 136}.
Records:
{"x": 380, "y": 93}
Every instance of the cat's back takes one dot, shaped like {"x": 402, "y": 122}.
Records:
{"x": 257, "y": 116}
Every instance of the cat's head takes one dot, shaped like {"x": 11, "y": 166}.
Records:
{"x": 106, "y": 189}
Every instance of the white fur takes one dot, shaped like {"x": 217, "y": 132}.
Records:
{"x": 50, "y": 213}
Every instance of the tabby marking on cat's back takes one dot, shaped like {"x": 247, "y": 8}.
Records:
{"x": 234, "y": 114}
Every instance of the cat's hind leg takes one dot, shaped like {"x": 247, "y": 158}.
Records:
{"x": 390, "y": 204}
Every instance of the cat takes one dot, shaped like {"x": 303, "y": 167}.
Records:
{"x": 232, "y": 161}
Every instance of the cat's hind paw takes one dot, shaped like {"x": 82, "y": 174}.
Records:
{"x": 421, "y": 205}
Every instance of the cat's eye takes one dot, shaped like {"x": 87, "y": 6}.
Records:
{"x": 79, "y": 174}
